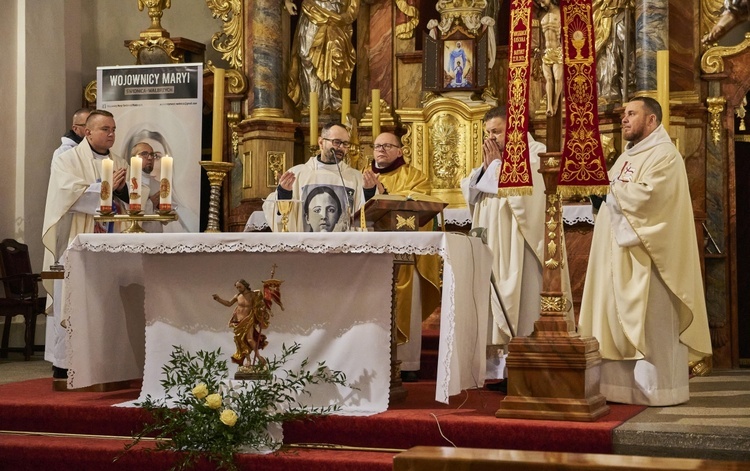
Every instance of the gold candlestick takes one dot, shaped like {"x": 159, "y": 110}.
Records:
{"x": 135, "y": 217}
{"x": 216, "y": 172}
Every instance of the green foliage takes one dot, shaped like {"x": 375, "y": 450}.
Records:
{"x": 193, "y": 420}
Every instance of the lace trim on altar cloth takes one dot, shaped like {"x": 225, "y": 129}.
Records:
{"x": 238, "y": 246}
{"x": 442, "y": 393}
{"x": 65, "y": 307}
{"x": 572, "y": 214}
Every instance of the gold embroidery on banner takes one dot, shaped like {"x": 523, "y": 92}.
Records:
{"x": 552, "y": 247}
{"x": 581, "y": 166}
{"x": 515, "y": 171}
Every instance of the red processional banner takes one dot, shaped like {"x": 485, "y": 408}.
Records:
{"x": 515, "y": 171}
{"x": 582, "y": 169}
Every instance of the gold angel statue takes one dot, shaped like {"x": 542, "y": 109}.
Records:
{"x": 251, "y": 316}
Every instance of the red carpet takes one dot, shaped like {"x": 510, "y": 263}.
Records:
{"x": 469, "y": 421}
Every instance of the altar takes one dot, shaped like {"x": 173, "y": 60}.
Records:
{"x": 128, "y": 298}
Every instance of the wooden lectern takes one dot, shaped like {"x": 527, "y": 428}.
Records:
{"x": 398, "y": 213}
{"x": 401, "y": 213}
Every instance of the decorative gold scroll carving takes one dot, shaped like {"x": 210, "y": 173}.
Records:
{"x": 740, "y": 112}
{"x": 553, "y": 226}
{"x": 89, "y": 93}
{"x": 152, "y": 46}
{"x": 406, "y": 142}
{"x": 229, "y": 41}
{"x": 715, "y": 109}
{"x": 406, "y": 30}
{"x": 554, "y": 304}
{"x": 276, "y": 166}
{"x": 712, "y": 61}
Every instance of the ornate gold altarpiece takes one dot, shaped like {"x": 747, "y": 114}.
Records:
{"x": 444, "y": 141}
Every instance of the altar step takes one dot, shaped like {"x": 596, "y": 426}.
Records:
{"x": 429, "y": 357}
{"x": 21, "y": 452}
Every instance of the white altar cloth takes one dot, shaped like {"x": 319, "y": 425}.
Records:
{"x": 129, "y": 297}
{"x": 461, "y": 217}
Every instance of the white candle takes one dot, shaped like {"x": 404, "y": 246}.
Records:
{"x": 217, "y": 149}
{"x": 346, "y": 98}
{"x": 136, "y": 167}
{"x": 313, "y": 118}
{"x": 105, "y": 196}
{"x": 165, "y": 185}
{"x": 375, "y": 113}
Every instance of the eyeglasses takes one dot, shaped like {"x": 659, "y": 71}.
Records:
{"x": 146, "y": 155}
{"x": 79, "y": 124}
{"x": 385, "y": 147}
{"x": 338, "y": 143}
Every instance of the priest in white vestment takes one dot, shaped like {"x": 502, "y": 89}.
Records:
{"x": 73, "y": 198}
{"x": 643, "y": 299}
{"x": 325, "y": 190}
{"x": 515, "y": 233}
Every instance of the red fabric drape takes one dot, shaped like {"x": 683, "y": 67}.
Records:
{"x": 515, "y": 171}
{"x": 582, "y": 169}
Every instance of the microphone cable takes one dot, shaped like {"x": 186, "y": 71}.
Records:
{"x": 346, "y": 192}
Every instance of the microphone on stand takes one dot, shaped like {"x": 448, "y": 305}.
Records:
{"x": 346, "y": 193}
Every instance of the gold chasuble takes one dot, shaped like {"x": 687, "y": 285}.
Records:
{"x": 404, "y": 180}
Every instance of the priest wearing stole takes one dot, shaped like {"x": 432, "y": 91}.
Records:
{"x": 326, "y": 190}
{"x": 390, "y": 174}
{"x": 643, "y": 299}
{"x": 73, "y": 198}
{"x": 515, "y": 233}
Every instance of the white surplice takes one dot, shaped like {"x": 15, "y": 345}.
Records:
{"x": 515, "y": 234}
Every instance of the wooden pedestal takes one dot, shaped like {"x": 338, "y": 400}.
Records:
{"x": 554, "y": 378}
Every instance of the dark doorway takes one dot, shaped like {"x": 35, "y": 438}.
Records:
{"x": 742, "y": 184}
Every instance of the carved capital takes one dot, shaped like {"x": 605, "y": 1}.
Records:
{"x": 716, "y": 106}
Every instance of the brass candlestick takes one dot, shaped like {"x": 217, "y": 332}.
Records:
{"x": 216, "y": 172}
{"x": 135, "y": 218}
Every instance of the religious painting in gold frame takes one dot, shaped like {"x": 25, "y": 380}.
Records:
{"x": 455, "y": 63}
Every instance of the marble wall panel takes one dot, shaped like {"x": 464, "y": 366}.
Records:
{"x": 683, "y": 56}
